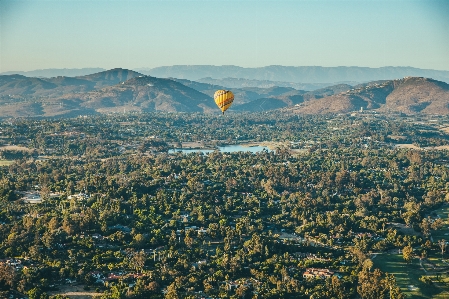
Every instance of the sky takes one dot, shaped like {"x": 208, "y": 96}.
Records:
{"x": 41, "y": 34}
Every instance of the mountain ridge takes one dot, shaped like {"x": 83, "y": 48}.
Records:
{"x": 408, "y": 95}
{"x": 295, "y": 74}
{"x": 119, "y": 90}
{"x": 286, "y": 74}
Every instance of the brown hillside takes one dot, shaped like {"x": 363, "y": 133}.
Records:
{"x": 145, "y": 94}
{"x": 414, "y": 94}
{"x": 408, "y": 95}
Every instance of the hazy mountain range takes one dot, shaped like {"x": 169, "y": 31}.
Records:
{"x": 275, "y": 75}
{"x": 300, "y": 74}
{"x": 121, "y": 90}
{"x": 48, "y": 73}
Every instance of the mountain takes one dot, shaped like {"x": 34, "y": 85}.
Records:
{"x": 205, "y": 88}
{"x": 242, "y": 83}
{"x": 242, "y": 95}
{"x": 24, "y": 86}
{"x": 110, "y": 77}
{"x": 120, "y": 90}
{"x": 144, "y": 94}
{"x": 111, "y": 91}
{"x": 413, "y": 95}
{"x": 307, "y": 74}
{"x": 408, "y": 95}
{"x": 19, "y": 85}
{"x": 263, "y": 99}
{"x": 47, "y": 73}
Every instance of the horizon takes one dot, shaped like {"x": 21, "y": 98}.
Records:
{"x": 147, "y": 34}
{"x": 229, "y": 65}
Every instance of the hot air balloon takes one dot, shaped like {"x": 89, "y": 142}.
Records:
{"x": 223, "y": 99}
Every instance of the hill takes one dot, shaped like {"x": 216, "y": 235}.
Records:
{"x": 22, "y": 86}
{"x": 110, "y": 77}
{"x": 281, "y": 97}
{"x": 144, "y": 94}
{"x": 408, "y": 95}
{"x": 242, "y": 95}
{"x": 110, "y": 91}
{"x": 120, "y": 90}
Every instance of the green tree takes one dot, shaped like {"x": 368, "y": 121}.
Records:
{"x": 407, "y": 253}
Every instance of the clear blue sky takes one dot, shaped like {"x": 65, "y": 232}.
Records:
{"x": 42, "y": 34}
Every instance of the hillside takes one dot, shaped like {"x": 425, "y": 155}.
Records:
{"x": 110, "y": 77}
{"x": 408, "y": 95}
{"x": 243, "y": 95}
{"x": 412, "y": 95}
{"x": 22, "y": 86}
{"x": 281, "y": 97}
{"x": 145, "y": 94}
{"x": 116, "y": 90}
{"x": 121, "y": 90}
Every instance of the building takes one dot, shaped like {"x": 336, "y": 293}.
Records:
{"x": 317, "y": 273}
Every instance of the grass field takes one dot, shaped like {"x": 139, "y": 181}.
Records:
{"x": 442, "y": 233}
{"x": 5, "y": 162}
{"x": 407, "y": 276}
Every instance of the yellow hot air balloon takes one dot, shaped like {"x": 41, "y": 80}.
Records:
{"x": 223, "y": 99}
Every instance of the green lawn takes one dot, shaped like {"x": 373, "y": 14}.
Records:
{"x": 442, "y": 233}
{"x": 407, "y": 276}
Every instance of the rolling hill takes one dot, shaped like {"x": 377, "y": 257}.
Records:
{"x": 144, "y": 94}
{"x": 121, "y": 90}
{"x": 408, "y": 95}
{"x": 115, "y": 90}
{"x": 22, "y": 86}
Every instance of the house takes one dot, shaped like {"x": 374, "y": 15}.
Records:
{"x": 198, "y": 263}
{"x": 80, "y": 196}
{"x": 317, "y": 273}
{"x": 97, "y": 236}
{"x": 121, "y": 228}
{"x": 31, "y": 197}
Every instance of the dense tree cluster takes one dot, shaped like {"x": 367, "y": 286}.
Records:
{"x": 226, "y": 225}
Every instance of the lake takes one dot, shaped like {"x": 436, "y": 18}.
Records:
{"x": 224, "y": 149}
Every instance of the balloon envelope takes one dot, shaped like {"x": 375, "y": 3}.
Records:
{"x": 223, "y": 99}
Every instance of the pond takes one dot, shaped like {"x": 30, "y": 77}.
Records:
{"x": 224, "y": 149}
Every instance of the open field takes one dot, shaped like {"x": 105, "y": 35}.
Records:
{"x": 194, "y": 144}
{"x": 442, "y": 147}
{"x": 75, "y": 292}
{"x": 6, "y": 162}
{"x": 272, "y": 145}
{"x": 442, "y": 233}
{"x": 407, "y": 146}
{"x": 412, "y": 146}
{"x": 15, "y": 148}
{"x": 407, "y": 276}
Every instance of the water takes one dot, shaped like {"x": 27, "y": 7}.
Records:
{"x": 224, "y": 149}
